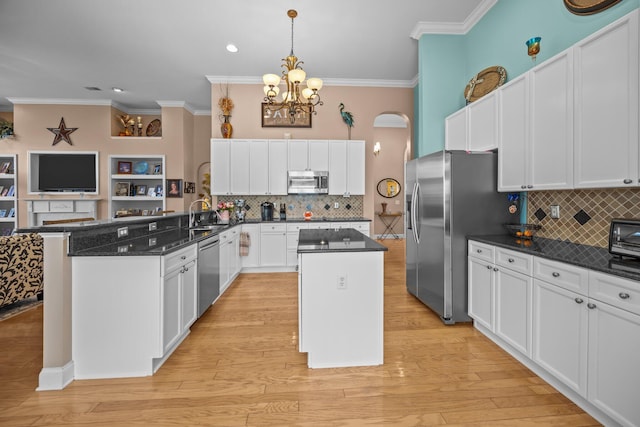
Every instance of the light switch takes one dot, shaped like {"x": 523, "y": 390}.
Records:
{"x": 555, "y": 211}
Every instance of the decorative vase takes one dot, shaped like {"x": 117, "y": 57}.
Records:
{"x": 224, "y": 216}
{"x": 384, "y": 207}
{"x": 225, "y": 128}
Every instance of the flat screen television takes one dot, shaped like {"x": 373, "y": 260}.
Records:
{"x": 64, "y": 172}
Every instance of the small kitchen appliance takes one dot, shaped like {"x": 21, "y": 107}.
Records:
{"x": 308, "y": 182}
{"x": 267, "y": 211}
{"x": 624, "y": 237}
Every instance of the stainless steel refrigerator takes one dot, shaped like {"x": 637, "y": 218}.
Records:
{"x": 449, "y": 195}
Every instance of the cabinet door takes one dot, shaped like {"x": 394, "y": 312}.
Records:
{"x": 189, "y": 301}
{"x": 606, "y": 109}
{"x": 551, "y": 131}
{"x": 258, "y": 169}
{"x": 318, "y": 155}
{"x": 337, "y": 167}
{"x": 298, "y": 155}
{"x": 456, "y": 130}
{"x": 513, "y": 135}
{"x": 355, "y": 167}
{"x": 614, "y": 376}
{"x": 239, "y": 167}
{"x": 482, "y": 114}
{"x": 171, "y": 321}
{"x": 273, "y": 249}
{"x": 560, "y": 332}
{"x": 220, "y": 166}
{"x": 513, "y": 293}
{"x": 252, "y": 259}
{"x": 481, "y": 292}
{"x": 224, "y": 261}
{"x": 278, "y": 167}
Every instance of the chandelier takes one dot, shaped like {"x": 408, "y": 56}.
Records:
{"x": 296, "y": 100}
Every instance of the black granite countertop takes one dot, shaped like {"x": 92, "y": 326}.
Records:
{"x": 590, "y": 257}
{"x": 344, "y": 240}
{"x": 313, "y": 219}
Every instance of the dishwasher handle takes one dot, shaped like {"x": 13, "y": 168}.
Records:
{"x": 216, "y": 242}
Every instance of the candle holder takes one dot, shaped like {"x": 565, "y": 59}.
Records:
{"x": 533, "y": 47}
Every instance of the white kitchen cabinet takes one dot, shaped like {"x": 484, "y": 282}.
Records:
{"x": 258, "y": 169}
{"x": 482, "y": 127}
{"x": 253, "y": 257}
{"x": 273, "y": 245}
{"x": 293, "y": 233}
{"x": 513, "y": 141}
{"x": 606, "y": 108}
{"x": 456, "y": 130}
{"x": 308, "y": 155}
{"x": 560, "y": 334}
{"x": 171, "y": 319}
{"x": 230, "y": 262}
{"x": 230, "y": 166}
{"x": 346, "y": 167}
{"x": 480, "y": 283}
{"x": 278, "y": 167}
{"x": 362, "y": 226}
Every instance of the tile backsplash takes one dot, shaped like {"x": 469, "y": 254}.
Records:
{"x": 585, "y": 215}
{"x": 319, "y": 205}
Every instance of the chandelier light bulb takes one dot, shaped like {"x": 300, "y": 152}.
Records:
{"x": 314, "y": 83}
{"x": 307, "y": 93}
{"x": 296, "y": 75}
{"x": 271, "y": 79}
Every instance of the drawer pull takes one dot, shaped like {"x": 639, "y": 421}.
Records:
{"x": 495, "y": 268}
{"x": 555, "y": 274}
{"x": 183, "y": 257}
{"x": 627, "y": 181}
{"x": 623, "y": 295}
{"x": 479, "y": 251}
{"x": 488, "y": 267}
{"x": 591, "y": 305}
{"x": 511, "y": 260}
{"x": 579, "y": 300}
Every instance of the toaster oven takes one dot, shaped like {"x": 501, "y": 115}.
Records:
{"x": 624, "y": 237}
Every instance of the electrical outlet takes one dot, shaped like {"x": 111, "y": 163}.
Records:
{"x": 153, "y": 226}
{"x": 123, "y": 232}
{"x": 342, "y": 281}
{"x": 555, "y": 211}
{"x": 336, "y": 205}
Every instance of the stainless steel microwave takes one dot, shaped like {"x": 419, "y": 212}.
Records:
{"x": 624, "y": 237}
{"x": 308, "y": 182}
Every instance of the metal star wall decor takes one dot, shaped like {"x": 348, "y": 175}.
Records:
{"x": 62, "y": 133}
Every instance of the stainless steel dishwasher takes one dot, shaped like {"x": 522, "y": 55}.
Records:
{"x": 208, "y": 272}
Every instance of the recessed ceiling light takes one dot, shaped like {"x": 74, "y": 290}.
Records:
{"x": 117, "y": 89}
{"x": 232, "y": 48}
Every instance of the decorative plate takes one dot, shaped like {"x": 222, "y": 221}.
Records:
{"x": 588, "y": 7}
{"x": 154, "y": 128}
{"x": 141, "y": 168}
{"x": 484, "y": 82}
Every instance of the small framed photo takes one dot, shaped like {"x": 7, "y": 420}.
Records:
{"x": 189, "y": 187}
{"x": 281, "y": 119}
{"x": 141, "y": 190}
{"x": 6, "y": 167}
{"x": 3, "y": 213}
{"x": 157, "y": 169}
{"x": 174, "y": 188}
{"x": 158, "y": 190}
{"x": 12, "y": 213}
{"x": 151, "y": 192}
{"x": 124, "y": 167}
{"x": 122, "y": 189}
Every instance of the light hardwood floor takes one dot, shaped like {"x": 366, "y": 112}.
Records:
{"x": 240, "y": 367}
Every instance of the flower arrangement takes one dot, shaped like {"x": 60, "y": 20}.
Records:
{"x": 225, "y": 103}
{"x": 225, "y": 206}
{"x": 127, "y": 123}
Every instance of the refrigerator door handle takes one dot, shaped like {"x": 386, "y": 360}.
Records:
{"x": 415, "y": 213}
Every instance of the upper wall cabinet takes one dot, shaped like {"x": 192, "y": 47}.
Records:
{"x": 308, "y": 155}
{"x": 474, "y": 128}
{"x": 455, "y": 131}
{"x": 346, "y": 167}
{"x": 229, "y": 161}
{"x": 606, "y": 108}
{"x": 267, "y": 167}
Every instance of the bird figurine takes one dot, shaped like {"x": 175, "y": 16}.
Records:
{"x": 347, "y": 117}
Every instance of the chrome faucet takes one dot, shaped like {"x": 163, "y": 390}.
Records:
{"x": 192, "y": 215}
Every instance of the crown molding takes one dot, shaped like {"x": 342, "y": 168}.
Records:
{"x": 178, "y": 104}
{"x": 328, "y": 82}
{"x": 58, "y": 101}
{"x": 456, "y": 28}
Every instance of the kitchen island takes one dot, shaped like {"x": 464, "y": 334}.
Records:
{"x": 340, "y": 298}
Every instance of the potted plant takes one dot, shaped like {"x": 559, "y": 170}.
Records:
{"x": 225, "y": 209}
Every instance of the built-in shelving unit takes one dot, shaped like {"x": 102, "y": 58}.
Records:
{"x": 136, "y": 185}
{"x": 8, "y": 194}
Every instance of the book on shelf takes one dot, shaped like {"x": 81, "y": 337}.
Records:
{"x": 12, "y": 191}
{"x": 12, "y": 213}
{"x": 6, "y": 167}
{"x": 3, "y": 213}
{"x": 4, "y": 192}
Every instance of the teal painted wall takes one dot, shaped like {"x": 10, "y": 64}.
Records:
{"x": 498, "y": 39}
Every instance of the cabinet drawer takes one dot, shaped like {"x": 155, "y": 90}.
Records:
{"x": 481, "y": 251}
{"x": 362, "y": 227}
{"x": 516, "y": 261}
{"x": 179, "y": 258}
{"x": 619, "y": 292}
{"x": 273, "y": 228}
{"x": 566, "y": 276}
{"x": 296, "y": 227}
{"x": 318, "y": 226}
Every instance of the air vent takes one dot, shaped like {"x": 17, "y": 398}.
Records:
{"x": 93, "y": 88}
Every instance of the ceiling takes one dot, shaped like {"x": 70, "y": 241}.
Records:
{"x": 171, "y": 50}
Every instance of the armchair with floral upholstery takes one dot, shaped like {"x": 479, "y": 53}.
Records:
{"x": 21, "y": 267}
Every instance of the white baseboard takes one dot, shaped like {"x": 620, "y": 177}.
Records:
{"x": 55, "y": 378}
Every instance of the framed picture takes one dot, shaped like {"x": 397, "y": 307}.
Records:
{"x": 124, "y": 167}
{"x": 158, "y": 190}
{"x": 122, "y": 189}
{"x": 174, "y": 188}
{"x": 189, "y": 187}
{"x": 6, "y": 167}
{"x": 141, "y": 190}
{"x": 12, "y": 212}
{"x": 157, "y": 169}
{"x": 280, "y": 118}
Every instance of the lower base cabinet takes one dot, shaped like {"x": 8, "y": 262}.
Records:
{"x": 230, "y": 262}
{"x": 584, "y": 327}
{"x": 273, "y": 245}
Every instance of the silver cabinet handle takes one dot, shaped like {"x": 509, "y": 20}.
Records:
{"x": 623, "y": 295}
{"x": 488, "y": 267}
{"x": 182, "y": 270}
{"x": 591, "y": 305}
{"x": 479, "y": 251}
{"x": 495, "y": 268}
{"x": 579, "y": 300}
{"x": 511, "y": 260}
{"x": 627, "y": 181}
{"x": 183, "y": 257}
{"x": 555, "y": 274}
{"x": 529, "y": 186}
{"x": 523, "y": 186}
